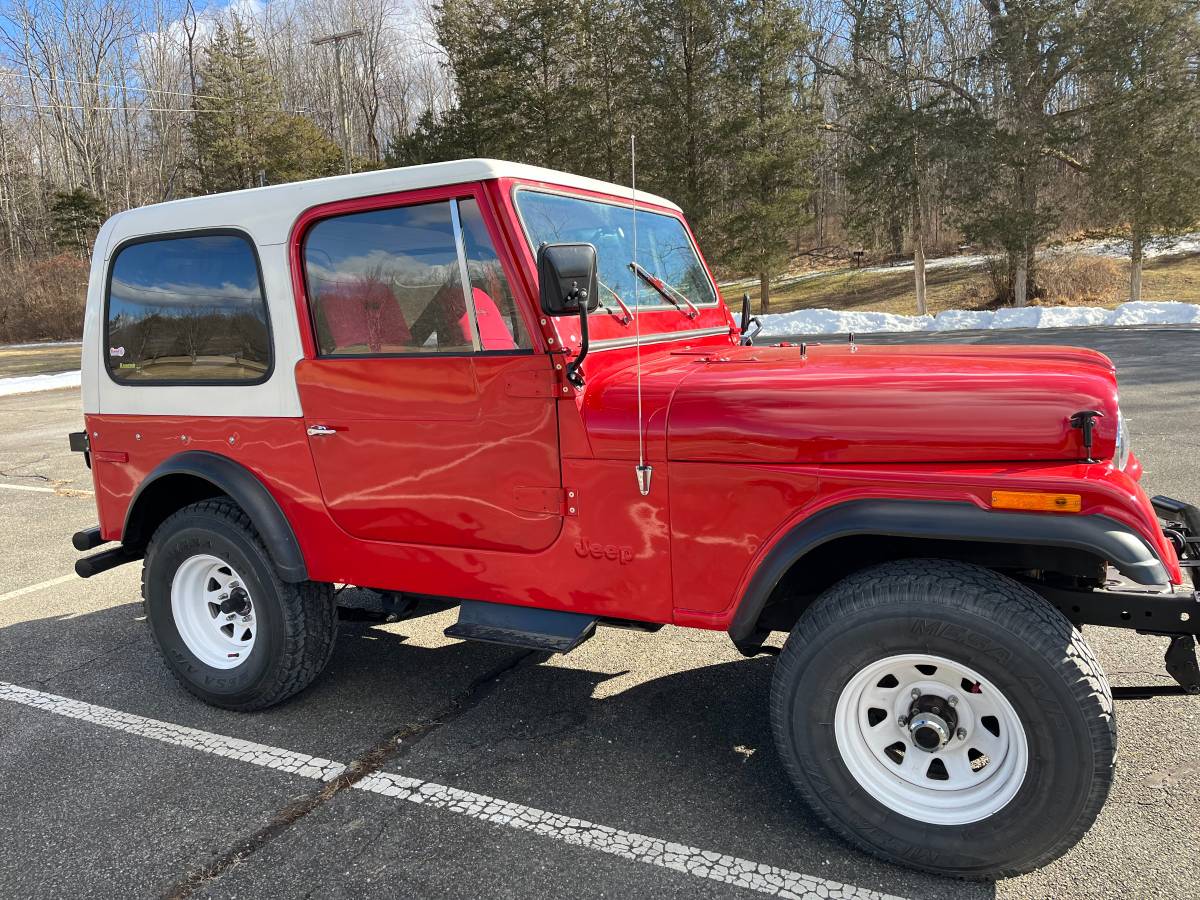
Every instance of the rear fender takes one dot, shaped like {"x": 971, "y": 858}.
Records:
{"x": 225, "y": 477}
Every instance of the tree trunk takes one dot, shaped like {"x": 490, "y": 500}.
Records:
{"x": 1135, "y": 264}
{"x": 918, "y": 240}
{"x": 764, "y": 292}
{"x": 919, "y": 275}
{"x": 1020, "y": 276}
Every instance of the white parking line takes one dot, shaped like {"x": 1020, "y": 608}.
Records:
{"x": 179, "y": 735}
{"x": 20, "y": 592}
{"x": 44, "y": 490}
{"x": 733, "y": 870}
{"x": 654, "y": 851}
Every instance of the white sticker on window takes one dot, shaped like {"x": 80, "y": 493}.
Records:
{"x": 116, "y": 351}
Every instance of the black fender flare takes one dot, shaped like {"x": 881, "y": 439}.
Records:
{"x": 945, "y": 520}
{"x": 244, "y": 488}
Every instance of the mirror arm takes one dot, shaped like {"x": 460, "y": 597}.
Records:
{"x": 574, "y": 367}
{"x": 748, "y": 320}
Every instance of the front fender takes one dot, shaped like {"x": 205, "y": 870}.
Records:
{"x": 943, "y": 520}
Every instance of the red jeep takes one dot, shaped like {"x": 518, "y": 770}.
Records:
{"x": 520, "y": 389}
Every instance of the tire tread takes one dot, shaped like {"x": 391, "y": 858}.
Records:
{"x": 974, "y": 590}
{"x": 308, "y": 610}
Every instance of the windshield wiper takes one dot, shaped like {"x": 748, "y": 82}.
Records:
{"x": 626, "y": 316}
{"x": 665, "y": 291}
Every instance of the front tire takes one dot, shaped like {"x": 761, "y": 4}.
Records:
{"x": 942, "y": 716}
{"x": 230, "y": 630}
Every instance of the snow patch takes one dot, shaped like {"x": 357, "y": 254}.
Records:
{"x": 37, "y": 345}
{"x": 26, "y": 384}
{"x": 1150, "y": 312}
{"x": 831, "y": 321}
{"x": 836, "y": 321}
{"x": 1178, "y": 245}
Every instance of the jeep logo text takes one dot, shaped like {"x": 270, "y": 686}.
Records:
{"x": 612, "y": 552}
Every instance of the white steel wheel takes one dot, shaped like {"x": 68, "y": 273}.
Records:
{"x": 213, "y": 611}
{"x": 931, "y": 739}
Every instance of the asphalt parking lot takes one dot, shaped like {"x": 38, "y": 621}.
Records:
{"x": 639, "y": 765}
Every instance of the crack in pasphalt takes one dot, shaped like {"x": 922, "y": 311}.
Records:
{"x": 395, "y": 745}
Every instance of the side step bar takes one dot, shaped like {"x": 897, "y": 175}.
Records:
{"x": 522, "y": 626}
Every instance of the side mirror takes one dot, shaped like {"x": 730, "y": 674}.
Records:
{"x": 748, "y": 336}
{"x": 567, "y": 275}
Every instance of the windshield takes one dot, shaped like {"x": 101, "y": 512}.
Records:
{"x": 664, "y": 248}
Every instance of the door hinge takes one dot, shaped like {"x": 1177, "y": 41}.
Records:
{"x": 555, "y": 501}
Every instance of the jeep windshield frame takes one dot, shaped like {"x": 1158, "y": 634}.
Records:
{"x": 665, "y": 246}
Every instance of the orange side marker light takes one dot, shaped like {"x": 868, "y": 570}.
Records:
{"x": 1038, "y": 501}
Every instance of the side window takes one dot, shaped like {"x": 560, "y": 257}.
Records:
{"x": 187, "y": 310}
{"x": 500, "y": 325}
{"x": 389, "y": 281}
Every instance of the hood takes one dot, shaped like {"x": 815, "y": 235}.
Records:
{"x": 890, "y": 404}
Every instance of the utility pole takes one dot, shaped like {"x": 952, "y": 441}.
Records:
{"x": 336, "y": 40}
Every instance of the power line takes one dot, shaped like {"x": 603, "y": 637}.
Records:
{"x": 109, "y": 84}
{"x": 300, "y": 111}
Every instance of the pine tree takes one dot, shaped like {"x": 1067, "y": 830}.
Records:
{"x": 895, "y": 120}
{"x": 769, "y": 139}
{"x": 606, "y": 81}
{"x": 1013, "y": 123}
{"x": 75, "y": 217}
{"x": 515, "y": 66}
{"x": 676, "y": 52}
{"x": 240, "y": 133}
{"x": 1144, "y": 125}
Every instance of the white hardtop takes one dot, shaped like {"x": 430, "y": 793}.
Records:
{"x": 267, "y": 213}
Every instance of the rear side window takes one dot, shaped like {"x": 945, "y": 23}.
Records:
{"x": 187, "y": 310}
{"x": 386, "y": 282}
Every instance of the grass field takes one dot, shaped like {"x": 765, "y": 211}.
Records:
{"x": 34, "y": 360}
{"x": 1167, "y": 278}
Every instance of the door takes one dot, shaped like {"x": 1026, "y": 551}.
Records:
{"x": 430, "y": 418}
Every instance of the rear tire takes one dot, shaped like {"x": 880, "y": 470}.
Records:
{"x": 272, "y": 638}
{"x": 1024, "y": 751}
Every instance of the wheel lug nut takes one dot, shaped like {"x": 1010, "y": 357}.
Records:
{"x": 953, "y": 701}
{"x": 916, "y": 692}
{"x": 962, "y": 734}
{"x": 902, "y": 721}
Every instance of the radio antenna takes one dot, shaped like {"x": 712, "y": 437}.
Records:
{"x": 643, "y": 471}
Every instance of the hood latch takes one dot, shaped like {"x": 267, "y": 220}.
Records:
{"x": 1085, "y": 421}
